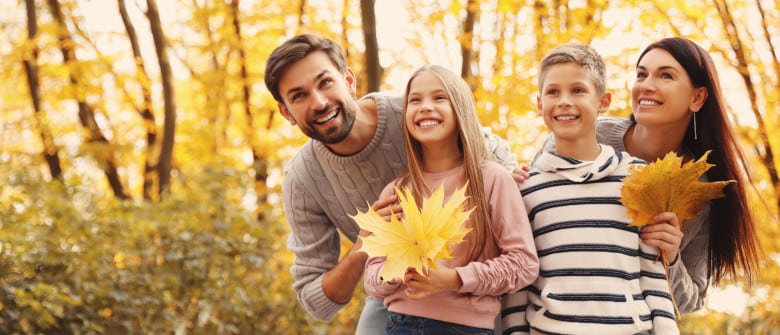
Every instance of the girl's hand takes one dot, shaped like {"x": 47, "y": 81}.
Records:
{"x": 441, "y": 279}
{"x": 665, "y": 234}
{"x": 387, "y": 205}
{"x": 520, "y": 175}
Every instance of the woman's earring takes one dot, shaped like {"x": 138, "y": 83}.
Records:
{"x": 695, "y": 135}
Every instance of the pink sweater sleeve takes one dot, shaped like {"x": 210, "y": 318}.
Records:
{"x": 513, "y": 263}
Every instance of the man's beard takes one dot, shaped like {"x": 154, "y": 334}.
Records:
{"x": 336, "y": 133}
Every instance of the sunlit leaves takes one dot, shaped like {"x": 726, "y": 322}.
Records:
{"x": 425, "y": 235}
{"x": 668, "y": 185}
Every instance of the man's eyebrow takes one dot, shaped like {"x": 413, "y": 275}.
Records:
{"x": 298, "y": 88}
{"x": 321, "y": 74}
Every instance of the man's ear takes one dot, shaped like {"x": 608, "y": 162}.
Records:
{"x": 286, "y": 113}
{"x": 349, "y": 75}
{"x": 604, "y": 102}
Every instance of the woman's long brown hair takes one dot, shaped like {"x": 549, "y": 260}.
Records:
{"x": 733, "y": 243}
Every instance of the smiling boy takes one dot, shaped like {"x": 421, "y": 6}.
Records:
{"x": 596, "y": 275}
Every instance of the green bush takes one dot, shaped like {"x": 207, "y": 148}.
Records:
{"x": 198, "y": 262}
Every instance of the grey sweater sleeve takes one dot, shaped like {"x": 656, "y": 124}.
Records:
{"x": 316, "y": 244}
{"x": 688, "y": 275}
{"x": 500, "y": 149}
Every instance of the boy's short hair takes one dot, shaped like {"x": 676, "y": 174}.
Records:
{"x": 581, "y": 54}
{"x": 294, "y": 50}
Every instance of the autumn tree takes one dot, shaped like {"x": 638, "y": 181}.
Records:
{"x": 50, "y": 151}
{"x": 182, "y": 120}
{"x": 145, "y": 108}
{"x": 86, "y": 113}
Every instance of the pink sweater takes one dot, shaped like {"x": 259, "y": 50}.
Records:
{"x": 509, "y": 263}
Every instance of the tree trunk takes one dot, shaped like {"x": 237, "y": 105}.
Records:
{"x": 259, "y": 164}
{"x": 165, "y": 162}
{"x": 373, "y": 70}
{"x": 86, "y": 115}
{"x": 301, "y": 10}
{"x": 345, "y": 29}
{"x": 50, "y": 152}
{"x": 145, "y": 110}
{"x": 540, "y": 20}
{"x": 466, "y": 43}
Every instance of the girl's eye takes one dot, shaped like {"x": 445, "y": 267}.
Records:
{"x": 578, "y": 90}
{"x": 441, "y": 97}
{"x": 551, "y": 92}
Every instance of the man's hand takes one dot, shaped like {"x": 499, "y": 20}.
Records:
{"x": 387, "y": 206}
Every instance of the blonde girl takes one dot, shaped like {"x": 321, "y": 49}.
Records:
{"x": 444, "y": 146}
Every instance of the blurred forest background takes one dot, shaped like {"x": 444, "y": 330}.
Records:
{"x": 141, "y": 154}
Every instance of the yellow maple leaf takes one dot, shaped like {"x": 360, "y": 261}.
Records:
{"x": 425, "y": 235}
{"x": 667, "y": 185}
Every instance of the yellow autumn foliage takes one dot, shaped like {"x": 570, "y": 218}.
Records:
{"x": 668, "y": 185}
{"x": 422, "y": 238}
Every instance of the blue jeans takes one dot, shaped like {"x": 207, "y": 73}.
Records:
{"x": 372, "y": 318}
{"x": 402, "y": 324}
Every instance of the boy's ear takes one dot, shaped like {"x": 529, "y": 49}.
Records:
{"x": 539, "y": 106}
{"x": 604, "y": 102}
{"x": 286, "y": 113}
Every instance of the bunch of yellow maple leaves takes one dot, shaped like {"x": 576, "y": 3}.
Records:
{"x": 668, "y": 185}
{"x": 422, "y": 238}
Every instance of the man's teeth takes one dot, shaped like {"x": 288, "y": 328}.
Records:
{"x": 565, "y": 118}
{"x": 648, "y": 103}
{"x": 328, "y": 117}
{"x": 428, "y": 123}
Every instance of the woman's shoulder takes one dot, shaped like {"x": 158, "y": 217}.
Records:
{"x": 611, "y": 129}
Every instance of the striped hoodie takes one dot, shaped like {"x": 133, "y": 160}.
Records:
{"x": 596, "y": 275}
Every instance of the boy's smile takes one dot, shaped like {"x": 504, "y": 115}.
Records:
{"x": 570, "y": 103}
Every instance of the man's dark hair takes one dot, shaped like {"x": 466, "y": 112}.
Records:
{"x": 296, "y": 49}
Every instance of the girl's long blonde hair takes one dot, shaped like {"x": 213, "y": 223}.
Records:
{"x": 472, "y": 147}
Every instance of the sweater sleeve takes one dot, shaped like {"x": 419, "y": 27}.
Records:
{"x": 513, "y": 313}
{"x": 688, "y": 275}
{"x": 516, "y": 264}
{"x": 655, "y": 290}
{"x": 315, "y": 242}
{"x": 500, "y": 150}
{"x": 373, "y": 283}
